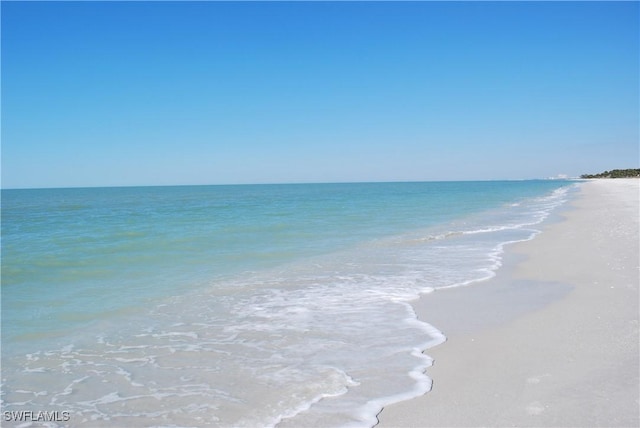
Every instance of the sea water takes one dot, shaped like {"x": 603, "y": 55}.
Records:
{"x": 243, "y": 306}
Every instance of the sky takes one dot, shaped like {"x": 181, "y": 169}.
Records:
{"x": 164, "y": 93}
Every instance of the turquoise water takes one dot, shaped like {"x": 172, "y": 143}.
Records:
{"x": 240, "y": 305}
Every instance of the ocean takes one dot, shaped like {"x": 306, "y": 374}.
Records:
{"x": 239, "y": 306}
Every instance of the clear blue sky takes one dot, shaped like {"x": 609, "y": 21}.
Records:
{"x": 124, "y": 93}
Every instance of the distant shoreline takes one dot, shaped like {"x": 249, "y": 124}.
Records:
{"x": 615, "y": 173}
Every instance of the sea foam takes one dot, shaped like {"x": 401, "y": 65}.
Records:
{"x": 326, "y": 338}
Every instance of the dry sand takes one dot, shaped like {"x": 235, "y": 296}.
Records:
{"x": 552, "y": 340}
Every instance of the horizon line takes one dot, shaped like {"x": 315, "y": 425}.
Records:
{"x": 284, "y": 183}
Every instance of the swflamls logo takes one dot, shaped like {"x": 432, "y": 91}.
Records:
{"x": 31, "y": 416}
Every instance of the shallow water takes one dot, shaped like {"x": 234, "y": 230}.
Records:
{"x": 240, "y": 305}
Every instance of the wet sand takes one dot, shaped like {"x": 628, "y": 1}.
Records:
{"x": 553, "y": 339}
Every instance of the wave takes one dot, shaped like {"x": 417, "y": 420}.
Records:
{"x": 325, "y": 340}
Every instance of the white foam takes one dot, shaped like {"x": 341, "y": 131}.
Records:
{"x": 332, "y": 338}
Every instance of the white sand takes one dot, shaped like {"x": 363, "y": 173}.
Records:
{"x": 553, "y": 339}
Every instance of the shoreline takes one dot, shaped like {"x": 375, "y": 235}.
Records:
{"x": 552, "y": 339}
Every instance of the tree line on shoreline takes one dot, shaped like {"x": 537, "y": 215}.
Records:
{"x": 615, "y": 173}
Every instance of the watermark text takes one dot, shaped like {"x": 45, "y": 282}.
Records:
{"x": 36, "y": 416}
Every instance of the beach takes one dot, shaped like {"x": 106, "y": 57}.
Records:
{"x": 552, "y": 339}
